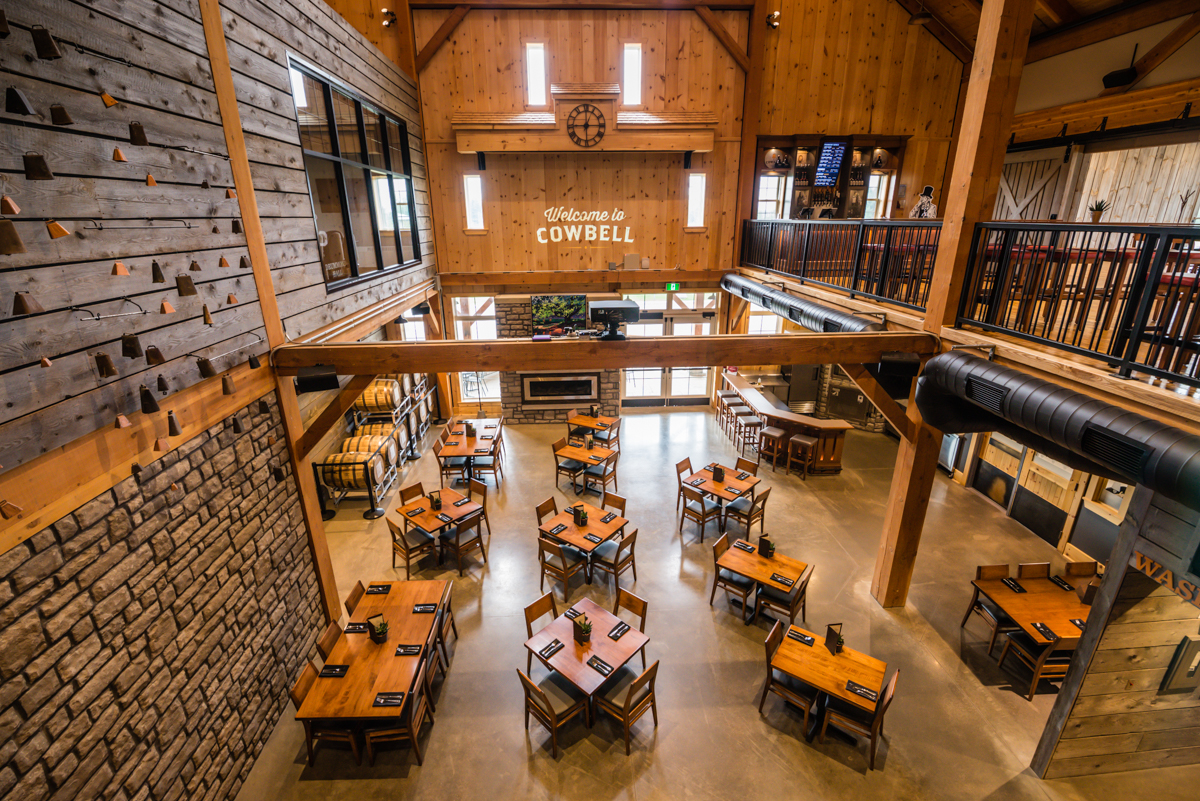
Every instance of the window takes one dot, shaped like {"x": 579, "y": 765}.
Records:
{"x": 473, "y": 198}
{"x": 877, "y": 195}
{"x": 631, "y": 89}
{"x": 358, "y": 168}
{"x": 695, "y": 200}
{"x": 475, "y": 318}
{"x": 771, "y": 194}
{"x": 764, "y": 322}
{"x": 535, "y": 73}
{"x": 413, "y": 331}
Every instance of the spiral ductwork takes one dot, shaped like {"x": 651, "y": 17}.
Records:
{"x": 959, "y": 393}
{"x": 812, "y": 316}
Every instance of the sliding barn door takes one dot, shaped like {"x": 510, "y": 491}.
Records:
{"x": 1033, "y": 185}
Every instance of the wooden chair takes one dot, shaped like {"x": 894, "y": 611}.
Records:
{"x": 610, "y": 438}
{"x": 612, "y": 499}
{"x": 699, "y": 509}
{"x": 747, "y": 466}
{"x": 411, "y": 493}
{"x": 314, "y": 730}
{"x": 683, "y": 468}
{"x": 463, "y": 538}
{"x": 490, "y": 464}
{"x": 559, "y": 563}
{"x": 1077, "y": 569}
{"x": 1048, "y": 661}
{"x": 446, "y": 622}
{"x": 851, "y": 718}
{"x": 500, "y": 437}
{"x": 416, "y": 709}
{"x": 444, "y": 434}
{"x": 433, "y": 659}
{"x": 570, "y": 468}
{"x": 983, "y": 606}
{"x": 605, "y": 473}
{"x": 576, "y": 431}
{"x": 553, "y": 701}
{"x": 729, "y": 581}
{"x": 787, "y": 603}
{"x": 638, "y": 606}
{"x": 545, "y": 509}
{"x": 454, "y": 467}
{"x": 356, "y": 595}
{"x": 749, "y": 510}
{"x": 792, "y": 690}
{"x": 479, "y": 488}
{"x": 535, "y": 610}
{"x": 627, "y": 696}
{"x": 1032, "y": 570}
{"x": 615, "y": 557}
{"x": 328, "y": 639}
{"x": 410, "y": 545}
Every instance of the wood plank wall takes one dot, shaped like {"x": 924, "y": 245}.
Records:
{"x": 858, "y": 67}
{"x": 1120, "y": 721}
{"x": 481, "y": 68}
{"x": 1142, "y": 184}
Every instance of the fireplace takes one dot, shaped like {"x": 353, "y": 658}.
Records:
{"x": 556, "y": 388}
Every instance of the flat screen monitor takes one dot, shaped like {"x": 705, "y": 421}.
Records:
{"x": 554, "y": 314}
{"x": 830, "y": 163}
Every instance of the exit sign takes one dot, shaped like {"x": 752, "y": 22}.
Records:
{"x": 672, "y": 287}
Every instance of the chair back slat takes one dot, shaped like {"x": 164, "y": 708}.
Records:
{"x": 760, "y": 502}
{"x": 540, "y": 607}
{"x": 683, "y": 468}
{"x": 328, "y": 639}
{"x": 547, "y": 508}
{"x": 1031, "y": 570}
{"x": 889, "y": 692}
{"x": 647, "y": 677}
{"x": 719, "y": 548}
{"x": 805, "y": 577}
{"x": 628, "y": 543}
{"x": 546, "y": 548}
{"x": 356, "y": 595}
{"x": 772, "y": 643}
{"x": 636, "y": 605}
{"x": 692, "y": 494}
{"x": 1082, "y": 568}
{"x": 745, "y": 465}
{"x": 477, "y": 487}
{"x": 991, "y": 572}
{"x": 299, "y": 690}
{"x": 535, "y": 696}
{"x": 615, "y": 501}
{"x": 411, "y": 493}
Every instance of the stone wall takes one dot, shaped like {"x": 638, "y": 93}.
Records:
{"x": 830, "y": 378}
{"x": 147, "y": 639}
{"x": 514, "y": 316}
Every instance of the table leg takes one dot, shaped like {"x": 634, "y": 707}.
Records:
{"x": 814, "y": 716}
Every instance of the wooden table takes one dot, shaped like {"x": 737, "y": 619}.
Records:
{"x": 466, "y": 446}
{"x": 571, "y": 660}
{"x": 600, "y": 423}
{"x": 374, "y": 667}
{"x": 830, "y": 434}
{"x": 814, "y": 665}
{"x": 574, "y": 535}
{"x": 1042, "y": 602}
{"x": 759, "y": 568}
{"x": 582, "y": 454}
{"x": 428, "y": 518}
{"x": 743, "y": 487}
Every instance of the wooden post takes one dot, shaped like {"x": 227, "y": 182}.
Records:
{"x": 751, "y": 111}
{"x": 435, "y": 328}
{"x": 995, "y": 75}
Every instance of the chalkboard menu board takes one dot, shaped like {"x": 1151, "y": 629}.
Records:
{"x": 830, "y": 163}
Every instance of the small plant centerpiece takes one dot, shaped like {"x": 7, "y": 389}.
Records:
{"x": 766, "y": 547}
{"x": 378, "y": 628}
{"x": 583, "y": 629}
{"x": 435, "y": 499}
{"x": 1097, "y": 209}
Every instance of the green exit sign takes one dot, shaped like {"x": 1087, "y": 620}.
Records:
{"x": 672, "y": 287}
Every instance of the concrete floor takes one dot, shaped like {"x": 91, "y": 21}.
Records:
{"x": 958, "y": 729}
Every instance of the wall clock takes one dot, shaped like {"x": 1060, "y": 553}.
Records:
{"x": 585, "y": 125}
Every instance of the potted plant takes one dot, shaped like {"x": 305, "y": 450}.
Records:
{"x": 378, "y": 628}
{"x": 841, "y": 643}
{"x": 1097, "y": 209}
{"x": 589, "y": 441}
{"x": 435, "y": 500}
{"x": 583, "y": 629}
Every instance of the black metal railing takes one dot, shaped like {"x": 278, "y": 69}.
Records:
{"x": 889, "y": 260}
{"x": 1125, "y": 294}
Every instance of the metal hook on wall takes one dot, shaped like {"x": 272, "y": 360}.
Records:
{"x": 95, "y": 316}
{"x": 98, "y": 225}
{"x": 257, "y": 339}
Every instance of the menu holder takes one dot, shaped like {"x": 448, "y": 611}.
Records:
{"x": 1079, "y": 622}
{"x": 572, "y": 613}
{"x": 445, "y": 518}
{"x": 334, "y": 671}
{"x": 1013, "y": 585}
{"x": 742, "y": 545}
{"x": 618, "y": 631}
{"x": 450, "y": 442}
{"x": 833, "y": 633}
{"x": 743, "y": 476}
{"x": 1062, "y": 583}
{"x": 600, "y": 666}
{"x": 379, "y": 589}
{"x": 862, "y": 691}
{"x": 784, "y": 580}
{"x": 592, "y": 538}
{"x": 463, "y": 502}
{"x": 415, "y": 512}
{"x": 608, "y": 518}
{"x": 550, "y": 650}
{"x": 424, "y": 609}
{"x": 804, "y": 639}
{"x": 408, "y": 650}
{"x": 355, "y": 628}
{"x": 388, "y": 699}
{"x": 561, "y": 527}
{"x": 1045, "y": 631}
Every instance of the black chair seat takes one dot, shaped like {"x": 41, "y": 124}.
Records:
{"x": 596, "y": 470}
{"x": 417, "y": 536}
{"x": 708, "y": 506}
{"x": 602, "y": 436}
{"x": 996, "y": 613}
{"x": 735, "y": 579}
{"x": 607, "y": 551}
{"x": 779, "y": 596}
{"x": 795, "y": 686}
{"x": 579, "y": 431}
{"x": 849, "y": 710}
{"x": 571, "y": 464}
{"x": 739, "y": 506}
{"x": 454, "y": 461}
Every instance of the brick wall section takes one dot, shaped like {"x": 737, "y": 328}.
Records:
{"x": 147, "y": 639}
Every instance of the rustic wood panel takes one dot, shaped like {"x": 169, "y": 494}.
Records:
{"x": 1142, "y": 184}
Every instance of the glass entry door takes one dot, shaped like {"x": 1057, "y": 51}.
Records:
{"x": 676, "y": 316}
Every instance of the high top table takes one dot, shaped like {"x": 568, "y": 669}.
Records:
{"x": 830, "y": 434}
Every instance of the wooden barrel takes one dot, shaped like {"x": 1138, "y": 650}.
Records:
{"x": 384, "y": 430}
{"x": 348, "y": 471}
{"x": 406, "y": 383}
{"x": 382, "y": 395}
{"x": 371, "y": 444}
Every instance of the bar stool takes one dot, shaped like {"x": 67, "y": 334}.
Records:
{"x": 771, "y": 443}
{"x": 723, "y": 401}
{"x": 736, "y": 410}
{"x": 802, "y": 449}
{"x": 748, "y": 428}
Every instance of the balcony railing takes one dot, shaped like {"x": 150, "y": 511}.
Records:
{"x": 889, "y": 260}
{"x": 1124, "y": 294}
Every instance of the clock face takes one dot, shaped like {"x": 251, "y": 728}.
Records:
{"x": 585, "y": 125}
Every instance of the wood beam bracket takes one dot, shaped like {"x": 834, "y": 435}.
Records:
{"x": 710, "y": 19}
{"x": 331, "y": 414}
{"x": 440, "y": 36}
{"x": 939, "y": 30}
{"x": 893, "y": 412}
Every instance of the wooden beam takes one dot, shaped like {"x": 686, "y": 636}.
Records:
{"x": 751, "y": 111}
{"x": 515, "y": 355}
{"x": 1107, "y": 24}
{"x": 1156, "y": 55}
{"x": 1060, "y": 12}
{"x": 1139, "y": 107}
{"x": 893, "y": 412}
{"x": 605, "y": 278}
{"x": 710, "y": 19}
{"x": 602, "y": 5}
{"x": 369, "y": 318}
{"x": 939, "y": 30}
{"x": 440, "y": 36}
{"x": 289, "y": 408}
{"x": 332, "y": 413}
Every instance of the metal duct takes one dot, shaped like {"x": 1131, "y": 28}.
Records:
{"x": 812, "y": 316}
{"x": 959, "y": 392}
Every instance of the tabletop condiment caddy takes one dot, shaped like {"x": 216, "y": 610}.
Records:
{"x": 579, "y": 513}
{"x": 582, "y": 629}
